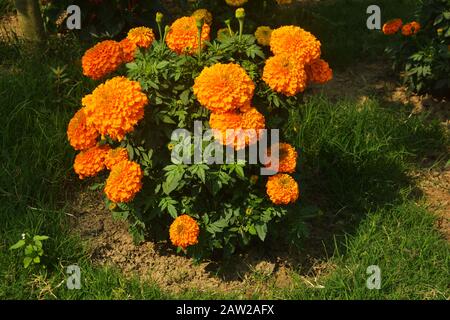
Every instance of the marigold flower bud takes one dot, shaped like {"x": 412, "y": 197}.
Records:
{"x": 240, "y": 13}
{"x": 159, "y": 17}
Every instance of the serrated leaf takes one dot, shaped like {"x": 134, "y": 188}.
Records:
{"x": 184, "y": 96}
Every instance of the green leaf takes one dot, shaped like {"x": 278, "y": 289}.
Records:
{"x": 172, "y": 210}
{"x": 184, "y": 96}
{"x": 261, "y": 230}
{"x": 447, "y": 34}
{"x": 37, "y": 260}
{"x": 40, "y": 238}
{"x": 240, "y": 171}
{"x": 162, "y": 64}
{"x": 17, "y": 245}
{"x": 27, "y": 261}
{"x": 29, "y": 249}
{"x": 96, "y": 186}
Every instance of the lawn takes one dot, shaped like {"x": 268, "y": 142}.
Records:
{"x": 357, "y": 160}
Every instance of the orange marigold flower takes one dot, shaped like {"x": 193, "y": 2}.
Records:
{"x": 224, "y": 87}
{"x": 128, "y": 50}
{"x": 115, "y": 156}
{"x": 203, "y": 14}
{"x": 392, "y": 26}
{"x": 184, "y": 231}
{"x": 287, "y": 157}
{"x": 81, "y": 136}
{"x": 282, "y": 189}
{"x": 142, "y": 37}
{"x": 235, "y": 3}
{"x": 105, "y": 57}
{"x": 90, "y": 162}
{"x": 319, "y": 71}
{"x": 115, "y": 107}
{"x": 244, "y": 128}
{"x": 283, "y": 73}
{"x": 124, "y": 181}
{"x": 411, "y": 28}
{"x": 294, "y": 40}
{"x": 263, "y": 35}
{"x": 182, "y": 37}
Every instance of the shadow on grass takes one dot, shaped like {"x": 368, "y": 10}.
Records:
{"x": 354, "y": 159}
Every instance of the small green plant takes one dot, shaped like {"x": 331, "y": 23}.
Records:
{"x": 32, "y": 247}
{"x": 423, "y": 59}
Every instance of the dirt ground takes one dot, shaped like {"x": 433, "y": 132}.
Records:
{"x": 254, "y": 273}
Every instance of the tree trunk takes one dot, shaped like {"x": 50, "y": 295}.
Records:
{"x": 30, "y": 19}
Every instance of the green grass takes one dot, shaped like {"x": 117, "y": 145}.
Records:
{"x": 354, "y": 160}
{"x": 413, "y": 258}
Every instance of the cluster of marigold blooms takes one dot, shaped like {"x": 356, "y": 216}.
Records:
{"x": 296, "y": 61}
{"x": 115, "y": 107}
{"x": 395, "y": 25}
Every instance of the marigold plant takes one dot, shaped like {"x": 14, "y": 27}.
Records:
{"x": 90, "y": 162}
{"x": 81, "y": 136}
{"x": 183, "y": 36}
{"x": 419, "y": 49}
{"x": 224, "y": 87}
{"x": 124, "y": 181}
{"x": 282, "y": 189}
{"x": 177, "y": 127}
{"x": 184, "y": 231}
{"x": 115, "y": 107}
{"x": 285, "y": 74}
{"x": 319, "y": 71}
{"x": 102, "y": 59}
{"x": 142, "y": 37}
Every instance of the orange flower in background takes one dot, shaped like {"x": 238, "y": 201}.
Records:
{"x": 411, "y": 28}
{"x": 392, "y": 26}
{"x": 115, "y": 156}
{"x": 90, "y": 162}
{"x": 115, "y": 107}
{"x": 295, "y": 41}
{"x": 282, "y": 189}
{"x": 203, "y": 14}
{"x": 287, "y": 158}
{"x": 263, "y": 35}
{"x": 184, "y": 231}
{"x": 124, "y": 181}
{"x": 319, "y": 71}
{"x": 102, "y": 59}
{"x": 224, "y": 87}
{"x": 283, "y": 73}
{"x": 80, "y": 135}
{"x": 142, "y": 37}
{"x": 182, "y": 37}
{"x": 245, "y": 127}
{"x": 128, "y": 50}
{"x": 284, "y": 2}
{"x": 235, "y": 3}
